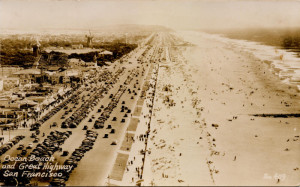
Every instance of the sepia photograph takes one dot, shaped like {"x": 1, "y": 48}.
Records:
{"x": 149, "y": 92}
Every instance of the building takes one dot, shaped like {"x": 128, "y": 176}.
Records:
{"x": 70, "y": 75}
{"x": 78, "y": 63}
{"x": 54, "y": 69}
{"x": 77, "y": 46}
{"x": 103, "y": 53}
{"x": 10, "y": 82}
{"x": 7, "y": 71}
{"x": 74, "y": 62}
{"x": 28, "y": 76}
{"x": 91, "y": 64}
{"x": 67, "y": 76}
{"x": 54, "y": 78}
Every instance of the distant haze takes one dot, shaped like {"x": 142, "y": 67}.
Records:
{"x": 189, "y": 14}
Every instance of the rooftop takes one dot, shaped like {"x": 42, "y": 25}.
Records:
{"x": 28, "y": 71}
{"x": 106, "y": 53}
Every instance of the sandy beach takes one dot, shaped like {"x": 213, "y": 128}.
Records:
{"x": 203, "y": 131}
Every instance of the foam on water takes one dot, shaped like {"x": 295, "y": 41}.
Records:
{"x": 284, "y": 63}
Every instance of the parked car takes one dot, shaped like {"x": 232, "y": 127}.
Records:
{"x": 115, "y": 142}
{"x": 30, "y": 146}
{"x": 54, "y": 124}
{"x": 65, "y": 153}
{"x": 21, "y": 146}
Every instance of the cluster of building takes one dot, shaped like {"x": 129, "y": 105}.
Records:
{"x": 17, "y": 77}
{"x": 25, "y": 93}
{"x": 51, "y": 74}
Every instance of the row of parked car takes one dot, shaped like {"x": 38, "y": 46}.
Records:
{"x": 36, "y": 125}
{"x": 74, "y": 120}
{"x": 86, "y": 145}
{"x": 81, "y": 113}
{"x": 50, "y": 145}
{"x": 46, "y": 149}
{"x": 8, "y": 145}
{"x": 99, "y": 123}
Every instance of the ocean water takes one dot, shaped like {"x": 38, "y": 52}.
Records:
{"x": 283, "y": 63}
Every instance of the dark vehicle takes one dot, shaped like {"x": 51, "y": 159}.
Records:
{"x": 73, "y": 125}
{"x": 5, "y": 162}
{"x": 57, "y": 182}
{"x": 115, "y": 142}
{"x": 64, "y": 125}
{"x": 30, "y": 146}
{"x": 65, "y": 153}
{"x": 85, "y": 127}
{"x": 24, "y": 152}
{"x": 36, "y": 140}
{"x": 21, "y": 146}
{"x": 33, "y": 135}
{"x": 98, "y": 126}
{"x": 37, "y": 132}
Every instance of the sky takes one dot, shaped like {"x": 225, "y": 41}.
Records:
{"x": 177, "y": 14}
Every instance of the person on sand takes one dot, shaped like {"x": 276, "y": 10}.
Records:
{"x": 234, "y": 158}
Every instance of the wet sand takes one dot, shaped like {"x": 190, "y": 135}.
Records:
{"x": 209, "y": 136}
